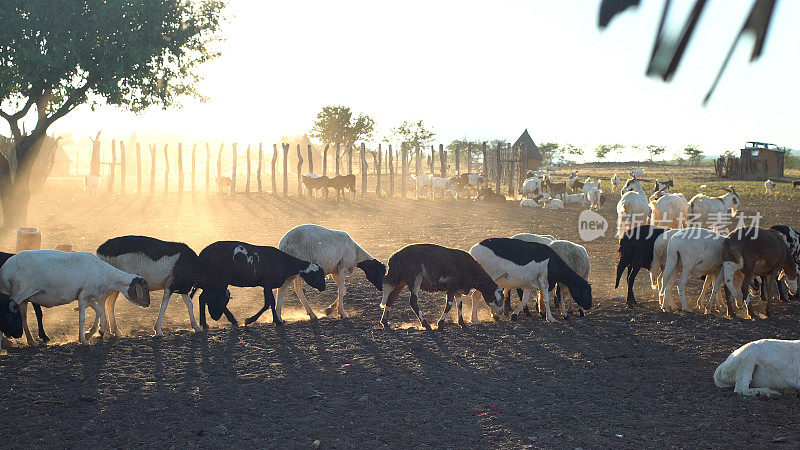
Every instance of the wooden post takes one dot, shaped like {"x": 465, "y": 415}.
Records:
{"x": 337, "y": 158}
{"x": 285, "y": 170}
{"x": 219, "y": 169}
{"x": 111, "y": 171}
{"x": 442, "y": 161}
{"x": 325, "y": 160}
{"x": 180, "y": 168}
{"x": 378, "y": 160}
{"x": 417, "y": 162}
{"x": 458, "y": 161}
{"x": 363, "y": 170}
{"x": 123, "y": 168}
{"x": 485, "y": 161}
{"x": 469, "y": 157}
{"x": 260, "y": 159}
{"x": 274, "y": 160}
{"x": 510, "y": 158}
{"x": 194, "y": 167}
{"x": 404, "y": 169}
{"x": 208, "y": 164}
{"x": 349, "y": 159}
{"x": 310, "y": 160}
{"x": 299, "y": 172}
{"x": 166, "y": 170}
{"x": 152, "y": 168}
{"x": 498, "y": 171}
{"x": 431, "y": 162}
{"x": 247, "y": 184}
{"x": 94, "y": 169}
{"x": 391, "y": 173}
{"x": 138, "y": 168}
{"x": 233, "y": 172}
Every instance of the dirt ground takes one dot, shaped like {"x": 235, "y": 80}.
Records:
{"x": 615, "y": 378}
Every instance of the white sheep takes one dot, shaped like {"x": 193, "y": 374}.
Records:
{"x": 698, "y": 251}
{"x": 761, "y": 368}
{"x": 669, "y": 210}
{"x": 551, "y": 203}
{"x": 530, "y": 187}
{"x": 51, "y": 278}
{"x": 338, "y": 255}
{"x": 633, "y": 207}
{"x": 594, "y": 197}
{"x": 710, "y": 211}
{"x": 529, "y": 202}
{"x": 615, "y": 183}
{"x": 769, "y": 187}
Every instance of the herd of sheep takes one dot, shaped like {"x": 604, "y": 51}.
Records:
{"x": 746, "y": 259}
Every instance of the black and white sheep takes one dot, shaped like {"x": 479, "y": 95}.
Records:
{"x": 52, "y": 278}
{"x": 433, "y": 268}
{"x": 515, "y": 264}
{"x": 245, "y": 265}
{"x": 7, "y": 321}
{"x": 338, "y": 255}
{"x": 171, "y": 266}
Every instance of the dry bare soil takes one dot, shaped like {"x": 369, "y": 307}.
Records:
{"x": 616, "y": 378}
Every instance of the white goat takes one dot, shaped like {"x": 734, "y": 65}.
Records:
{"x": 633, "y": 208}
{"x": 51, "y": 278}
{"x": 551, "y": 203}
{"x": 669, "y": 210}
{"x": 769, "y": 187}
{"x": 698, "y": 251}
{"x": 529, "y": 202}
{"x": 761, "y": 368}
{"x": 338, "y": 255}
{"x": 615, "y": 183}
{"x": 710, "y": 211}
{"x": 441, "y": 186}
{"x": 638, "y": 173}
{"x": 594, "y": 197}
{"x": 530, "y": 187}
{"x": 422, "y": 181}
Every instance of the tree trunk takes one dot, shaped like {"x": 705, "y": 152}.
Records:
{"x": 378, "y": 160}
{"x": 111, "y": 171}
{"x": 166, "y": 169}
{"x": 299, "y": 171}
{"x": 180, "y": 168}
{"x": 391, "y": 172}
{"x": 123, "y": 174}
{"x": 417, "y": 162}
{"x": 152, "y": 168}
{"x": 194, "y": 152}
{"x": 208, "y": 164}
{"x": 403, "y": 169}
{"x": 285, "y": 170}
{"x": 442, "y": 161}
{"x": 247, "y": 184}
{"x": 260, "y": 159}
{"x": 338, "y": 150}
{"x": 325, "y": 160}
{"x": 310, "y": 160}
{"x": 274, "y": 160}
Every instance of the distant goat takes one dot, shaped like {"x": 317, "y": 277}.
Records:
{"x": 90, "y": 184}
{"x": 486, "y": 194}
{"x": 769, "y": 187}
{"x": 314, "y": 182}
{"x": 342, "y": 182}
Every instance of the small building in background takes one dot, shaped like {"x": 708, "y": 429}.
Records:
{"x": 757, "y": 161}
{"x": 529, "y": 152}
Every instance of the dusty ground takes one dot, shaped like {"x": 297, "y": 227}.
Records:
{"x": 618, "y": 377}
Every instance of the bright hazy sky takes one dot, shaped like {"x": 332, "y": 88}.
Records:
{"x": 483, "y": 70}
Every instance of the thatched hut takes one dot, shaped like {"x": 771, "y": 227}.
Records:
{"x": 529, "y": 152}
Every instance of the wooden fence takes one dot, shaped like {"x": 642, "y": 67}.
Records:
{"x": 501, "y": 165}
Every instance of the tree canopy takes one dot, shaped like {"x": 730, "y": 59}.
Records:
{"x": 413, "y": 133}
{"x": 336, "y": 123}
{"x": 693, "y": 154}
{"x": 601, "y": 151}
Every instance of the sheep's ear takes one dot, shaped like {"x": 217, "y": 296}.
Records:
{"x": 139, "y": 288}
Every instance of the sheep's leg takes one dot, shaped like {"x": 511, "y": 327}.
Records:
{"x": 507, "y": 299}
{"x": 631, "y": 279}
{"x": 164, "y": 304}
{"x": 744, "y": 377}
{"x": 190, "y": 310}
{"x": 771, "y": 286}
{"x": 23, "y": 312}
{"x": 476, "y": 295}
{"x": 278, "y": 305}
{"x": 545, "y": 296}
{"x": 526, "y": 295}
{"x": 391, "y": 296}
{"x": 37, "y": 309}
{"x": 110, "y": 302}
{"x": 748, "y": 280}
{"x": 269, "y": 301}
{"x": 460, "y": 302}
{"x": 82, "y": 302}
{"x": 682, "y": 289}
{"x": 100, "y": 319}
{"x": 276, "y": 313}
{"x": 412, "y": 302}
{"x": 447, "y": 305}
{"x": 298, "y": 289}
{"x": 668, "y": 284}
{"x": 340, "y": 279}
{"x": 526, "y": 310}
{"x": 709, "y": 280}
{"x": 714, "y": 292}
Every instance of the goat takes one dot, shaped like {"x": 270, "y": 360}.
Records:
{"x": 422, "y": 181}
{"x": 342, "y": 182}
{"x": 516, "y": 264}
{"x": 638, "y": 173}
{"x": 433, "y": 268}
{"x": 551, "y": 203}
{"x": 573, "y": 177}
{"x": 761, "y": 368}
{"x": 573, "y": 199}
{"x": 769, "y": 187}
{"x": 223, "y": 184}
{"x": 336, "y": 253}
{"x": 171, "y": 266}
{"x": 633, "y": 207}
{"x": 757, "y": 252}
{"x": 635, "y": 253}
{"x": 555, "y": 189}
{"x": 663, "y": 186}
{"x": 702, "y": 208}
{"x": 595, "y": 198}
{"x": 441, "y": 186}
{"x": 313, "y": 182}
{"x": 792, "y": 239}
{"x": 697, "y": 250}
{"x": 467, "y": 180}
{"x": 90, "y": 184}
{"x": 585, "y": 186}
{"x": 530, "y": 187}
{"x": 669, "y": 210}
{"x": 51, "y": 278}
{"x": 614, "y": 183}
{"x": 245, "y": 265}
{"x": 486, "y": 194}
{"x": 529, "y": 202}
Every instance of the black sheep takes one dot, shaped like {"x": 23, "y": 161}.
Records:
{"x": 635, "y": 253}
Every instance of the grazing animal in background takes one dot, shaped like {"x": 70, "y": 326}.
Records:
{"x": 223, "y": 184}
{"x": 595, "y": 198}
{"x": 585, "y": 186}
{"x": 635, "y": 253}
{"x": 555, "y": 189}
{"x": 467, "y": 180}
{"x": 535, "y": 173}
{"x": 795, "y": 183}
{"x": 433, "y": 268}
{"x": 573, "y": 177}
{"x": 638, "y": 173}
{"x": 573, "y": 199}
{"x": 171, "y": 266}
{"x": 663, "y": 186}
{"x": 441, "y": 186}
{"x": 313, "y": 182}
{"x": 516, "y": 264}
{"x": 697, "y": 250}
{"x": 36, "y": 307}
{"x": 615, "y": 183}
{"x": 669, "y": 210}
{"x": 531, "y": 187}
{"x": 338, "y": 255}
{"x": 245, "y": 265}
{"x": 553, "y": 167}
{"x": 486, "y": 194}
{"x": 757, "y": 252}
{"x": 633, "y": 207}
{"x": 769, "y": 187}
{"x": 342, "y": 182}
{"x": 51, "y": 278}
{"x": 705, "y": 211}
{"x": 422, "y": 181}
{"x": 91, "y": 183}
{"x": 761, "y": 367}
{"x": 792, "y": 239}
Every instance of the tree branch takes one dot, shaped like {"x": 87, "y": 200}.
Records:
{"x": 12, "y": 123}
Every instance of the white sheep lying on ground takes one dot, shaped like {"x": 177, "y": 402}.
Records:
{"x": 529, "y": 202}
{"x": 761, "y": 368}
{"x": 51, "y": 278}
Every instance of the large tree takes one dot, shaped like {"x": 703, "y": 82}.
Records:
{"x": 601, "y": 151}
{"x": 58, "y": 54}
{"x": 337, "y": 124}
{"x": 693, "y": 154}
{"x": 413, "y": 133}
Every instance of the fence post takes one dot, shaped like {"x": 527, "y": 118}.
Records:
{"x": 363, "y": 170}
{"x": 417, "y": 161}
{"x": 111, "y": 171}
{"x": 337, "y": 158}
{"x": 285, "y": 170}
{"x": 152, "y": 168}
{"x": 404, "y": 169}
{"x": 123, "y": 168}
{"x": 166, "y": 169}
{"x": 469, "y": 157}
{"x": 247, "y": 184}
{"x": 442, "y": 161}
{"x": 299, "y": 171}
{"x": 180, "y": 168}
{"x": 233, "y": 173}
{"x": 431, "y": 162}
{"x": 349, "y": 159}
{"x": 310, "y": 160}
{"x": 498, "y": 170}
{"x": 194, "y": 168}
{"x": 138, "y": 168}
{"x": 219, "y": 169}
{"x": 391, "y": 173}
{"x": 378, "y": 159}
{"x": 511, "y": 162}
{"x": 274, "y": 160}
{"x": 260, "y": 159}
{"x": 485, "y": 170}
{"x": 325, "y": 160}
{"x": 208, "y": 164}
{"x": 458, "y": 161}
